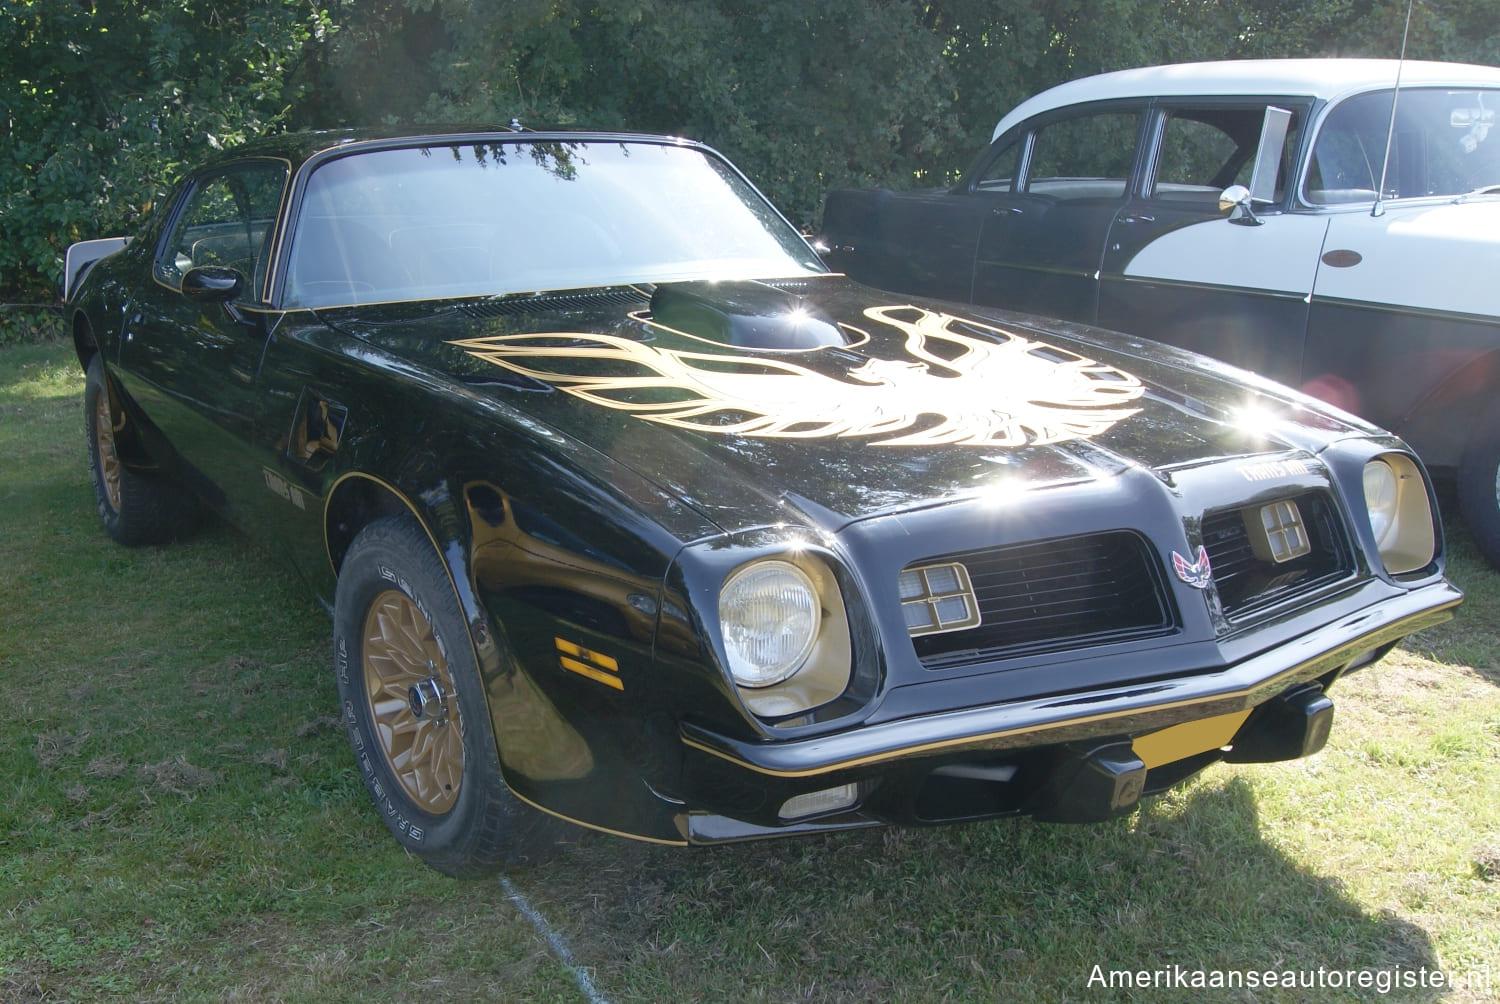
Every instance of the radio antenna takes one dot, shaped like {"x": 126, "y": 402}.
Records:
{"x": 1390, "y": 133}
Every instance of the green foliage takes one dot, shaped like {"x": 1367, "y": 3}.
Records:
{"x": 104, "y": 103}
{"x": 24, "y": 325}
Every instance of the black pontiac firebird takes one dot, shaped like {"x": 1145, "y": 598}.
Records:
{"x": 632, "y": 514}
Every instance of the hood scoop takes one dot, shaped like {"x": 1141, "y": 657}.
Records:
{"x": 750, "y": 315}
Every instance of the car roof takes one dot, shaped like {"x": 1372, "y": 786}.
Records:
{"x": 300, "y": 147}
{"x": 1326, "y": 79}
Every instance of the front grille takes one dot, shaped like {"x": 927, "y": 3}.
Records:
{"x": 1056, "y": 594}
{"x": 1248, "y": 583}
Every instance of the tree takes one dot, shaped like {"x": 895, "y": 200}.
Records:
{"x": 107, "y": 100}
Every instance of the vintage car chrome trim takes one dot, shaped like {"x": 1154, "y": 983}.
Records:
{"x": 1136, "y": 708}
{"x": 1129, "y": 279}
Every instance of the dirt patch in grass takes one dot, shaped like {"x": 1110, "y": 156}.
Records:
{"x": 177, "y": 776}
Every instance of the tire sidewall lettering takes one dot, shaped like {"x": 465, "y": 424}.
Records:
{"x": 404, "y": 585}
{"x": 478, "y": 832}
{"x": 415, "y": 832}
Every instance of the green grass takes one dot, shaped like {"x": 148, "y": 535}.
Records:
{"x": 181, "y": 820}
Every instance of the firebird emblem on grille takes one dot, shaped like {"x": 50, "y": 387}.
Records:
{"x": 989, "y": 388}
{"x": 1197, "y": 574}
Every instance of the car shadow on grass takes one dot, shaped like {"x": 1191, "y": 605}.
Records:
{"x": 1188, "y": 890}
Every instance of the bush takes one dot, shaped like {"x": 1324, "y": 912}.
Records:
{"x": 26, "y": 324}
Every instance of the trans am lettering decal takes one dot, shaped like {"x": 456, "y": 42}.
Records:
{"x": 952, "y": 387}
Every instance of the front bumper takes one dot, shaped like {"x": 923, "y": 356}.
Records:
{"x": 1017, "y": 757}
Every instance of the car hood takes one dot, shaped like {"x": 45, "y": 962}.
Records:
{"x": 820, "y": 401}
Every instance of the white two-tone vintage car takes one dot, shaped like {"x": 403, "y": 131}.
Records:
{"x": 1273, "y": 213}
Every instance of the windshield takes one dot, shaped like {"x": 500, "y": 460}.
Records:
{"x": 1445, "y": 144}
{"x": 509, "y": 217}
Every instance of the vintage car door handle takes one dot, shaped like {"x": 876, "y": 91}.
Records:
{"x": 1138, "y": 219}
{"x": 1007, "y": 211}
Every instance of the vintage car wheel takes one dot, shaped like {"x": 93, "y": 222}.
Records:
{"x": 1479, "y": 490}
{"x": 415, "y": 712}
{"x": 135, "y": 507}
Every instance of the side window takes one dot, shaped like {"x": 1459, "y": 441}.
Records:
{"x": 1087, "y": 156}
{"x": 1441, "y": 146}
{"x": 1205, "y": 150}
{"x": 224, "y": 222}
{"x": 1000, "y": 176}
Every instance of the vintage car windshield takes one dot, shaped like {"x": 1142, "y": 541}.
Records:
{"x": 522, "y": 216}
{"x": 1446, "y": 144}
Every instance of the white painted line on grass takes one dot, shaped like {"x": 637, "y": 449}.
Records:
{"x": 555, "y": 940}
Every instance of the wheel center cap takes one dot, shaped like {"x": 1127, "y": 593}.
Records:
{"x": 427, "y": 701}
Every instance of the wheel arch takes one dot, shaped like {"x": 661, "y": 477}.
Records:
{"x": 359, "y": 498}
{"x": 1444, "y": 424}
{"x": 356, "y": 500}
{"x": 85, "y": 342}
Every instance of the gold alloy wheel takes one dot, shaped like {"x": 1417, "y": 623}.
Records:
{"x": 412, "y": 702}
{"x": 104, "y": 442}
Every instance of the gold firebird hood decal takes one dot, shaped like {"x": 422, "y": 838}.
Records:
{"x": 1000, "y": 390}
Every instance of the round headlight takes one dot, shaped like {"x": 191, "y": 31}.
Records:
{"x": 1382, "y": 497}
{"x": 770, "y": 615}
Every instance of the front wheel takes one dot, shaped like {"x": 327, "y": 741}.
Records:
{"x": 1479, "y": 490}
{"x": 414, "y": 708}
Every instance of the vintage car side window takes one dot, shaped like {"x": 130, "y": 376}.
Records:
{"x": 1000, "y": 175}
{"x": 1084, "y": 157}
{"x": 1205, "y": 150}
{"x": 1443, "y": 145}
{"x": 224, "y": 223}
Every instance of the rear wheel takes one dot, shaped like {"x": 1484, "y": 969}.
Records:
{"x": 136, "y": 507}
{"x": 1479, "y": 490}
{"x": 414, "y": 708}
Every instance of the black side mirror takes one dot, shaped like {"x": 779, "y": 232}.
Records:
{"x": 212, "y": 284}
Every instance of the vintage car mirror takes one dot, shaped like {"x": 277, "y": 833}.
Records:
{"x": 1239, "y": 201}
{"x": 1235, "y": 200}
{"x": 212, "y": 284}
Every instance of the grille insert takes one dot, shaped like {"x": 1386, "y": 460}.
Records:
{"x": 1248, "y": 580}
{"x": 1057, "y": 594}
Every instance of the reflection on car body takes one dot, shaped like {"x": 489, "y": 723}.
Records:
{"x": 630, "y": 513}
{"x": 1231, "y": 208}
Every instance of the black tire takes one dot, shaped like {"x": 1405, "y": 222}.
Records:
{"x": 414, "y": 708}
{"x": 1479, "y": 490}
{"x": 136, "y": 507}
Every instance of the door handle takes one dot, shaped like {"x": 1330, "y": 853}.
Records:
{"x": 1138, "y": 219}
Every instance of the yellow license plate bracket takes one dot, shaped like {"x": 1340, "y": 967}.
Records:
{"x": 1188, "y": 739}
